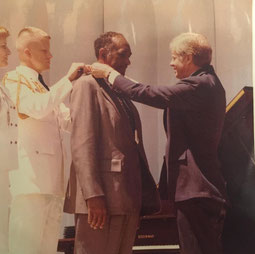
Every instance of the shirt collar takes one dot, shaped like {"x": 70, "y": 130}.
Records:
{"x": 207, "y": 68}
{"x": 28, "y": 72}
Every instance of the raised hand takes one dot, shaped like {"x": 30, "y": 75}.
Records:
{"x": 78, "y": 69}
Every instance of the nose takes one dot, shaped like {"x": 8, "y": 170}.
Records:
{"x": 171, "y": 63}
{"x": 50, "y": 55}
{"x": 128, "y": 61}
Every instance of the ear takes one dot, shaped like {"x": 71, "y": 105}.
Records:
{"x": 27, "y": 52}
{"x": 189, "y": 59}
{"x": 102, "y": 54}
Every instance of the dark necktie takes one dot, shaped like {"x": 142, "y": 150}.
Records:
{"x": 42, "y": 82}
{"x": 127, "y": 108}
{"x": 165, "y": 120}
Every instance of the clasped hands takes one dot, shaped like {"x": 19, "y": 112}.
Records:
{"x": 98, "y": 70}
{"x": 78, "y": 69}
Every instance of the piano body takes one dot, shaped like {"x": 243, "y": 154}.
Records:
{"x": 236, "y": 153}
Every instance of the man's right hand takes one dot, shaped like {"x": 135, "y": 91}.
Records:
{"x": 77, "y": 69}
{"x": 96, "y": 212}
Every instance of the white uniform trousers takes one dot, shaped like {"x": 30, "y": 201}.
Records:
{"x": 35, "y": 221}
{"x": 4, "y": 211}
{"x": 117, "y": 236}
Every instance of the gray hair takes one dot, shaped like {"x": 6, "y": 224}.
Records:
{"x": 192, "y": 44}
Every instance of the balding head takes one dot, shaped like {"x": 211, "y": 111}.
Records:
{"x": 113, "y": 49}
{"x": 33, "y": 46}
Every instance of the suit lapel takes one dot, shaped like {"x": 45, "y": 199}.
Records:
{"x": 112, "y": 98}
{"x": 109, "y": 95}
{"x": 138, "y": 127}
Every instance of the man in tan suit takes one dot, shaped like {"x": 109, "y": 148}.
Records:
{"x": 110, "y": 183}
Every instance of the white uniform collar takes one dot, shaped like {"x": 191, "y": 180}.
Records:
{"x": 28, "y": 72}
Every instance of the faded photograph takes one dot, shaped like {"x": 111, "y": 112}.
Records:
{"x": 111, "y": 149}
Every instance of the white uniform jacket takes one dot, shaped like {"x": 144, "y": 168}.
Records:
{"x": 40, "y": 148}
{"x": 8, "y": 132}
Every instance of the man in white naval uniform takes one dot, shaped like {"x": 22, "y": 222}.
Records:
{"x": 38, "y": 184}
{"x": 8, "y": 146}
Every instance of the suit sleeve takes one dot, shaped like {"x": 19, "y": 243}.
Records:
{"x": 85, "y": 140}
{"x": 39, "y": 105}
{"x": 185, "y": 95}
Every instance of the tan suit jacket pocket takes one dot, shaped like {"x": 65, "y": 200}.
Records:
{"x": 112, "y": 165}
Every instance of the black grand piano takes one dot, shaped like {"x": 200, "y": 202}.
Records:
{"x": 158, "y": 234}
{"x": 236, "y": 153}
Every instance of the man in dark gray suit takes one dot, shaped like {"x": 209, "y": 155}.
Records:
{"x": 194, "y": 110}
{"x": 110, "y": 183}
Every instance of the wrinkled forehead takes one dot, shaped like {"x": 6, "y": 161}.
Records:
{"x": 120, "y": 43}
{"x": 175, "y": 54}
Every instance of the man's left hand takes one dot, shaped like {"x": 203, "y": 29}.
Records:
{"x": 96, "y": 212}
